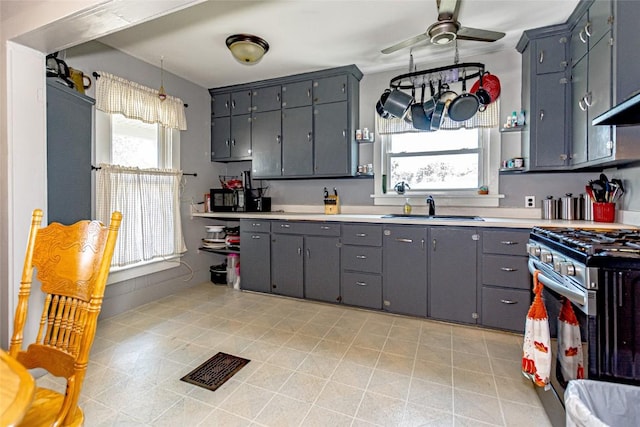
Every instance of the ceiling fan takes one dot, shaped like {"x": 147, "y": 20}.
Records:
{"x": 447, "y": 29}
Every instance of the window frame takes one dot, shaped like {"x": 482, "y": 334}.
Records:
{"x": 488, "y": 169}
{"x": 169, "y": 157}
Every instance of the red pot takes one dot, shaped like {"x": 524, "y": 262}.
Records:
{"x": 491, "y": 84}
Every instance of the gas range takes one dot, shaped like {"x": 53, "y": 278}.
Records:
{"x": 595, "y": 247}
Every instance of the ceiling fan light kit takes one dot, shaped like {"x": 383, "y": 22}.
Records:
{"x": 247, "y": 49}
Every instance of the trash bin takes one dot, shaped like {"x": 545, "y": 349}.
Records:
{"x": 219, "y": 274}
{"x": 600, "y": 403}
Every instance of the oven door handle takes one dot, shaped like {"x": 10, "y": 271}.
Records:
{"x": 573, "y": 296}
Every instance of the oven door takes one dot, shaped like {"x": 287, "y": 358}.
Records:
{"x": 555, "y": 291}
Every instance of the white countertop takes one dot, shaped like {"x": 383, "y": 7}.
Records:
{"x": 378, "y": 218}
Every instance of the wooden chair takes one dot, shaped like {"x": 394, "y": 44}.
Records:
{"x": 72, "y": 264}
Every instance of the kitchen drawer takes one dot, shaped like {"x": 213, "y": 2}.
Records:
{"x": 505, "y": 308}
{"x": 256, "y": 225}
{"x": 506, "y": 242}
{"x": 307, "y": 227}
{"x": 362, "y": 258}
{"x": 361, "y": 289}
{"x": 357, "y": 234}
{"x": 505, "y": 270}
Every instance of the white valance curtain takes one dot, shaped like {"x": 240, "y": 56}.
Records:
{"x": 488, "y": 118}
{"x": 150, "y": 205}
{"x": 115, "y": 95}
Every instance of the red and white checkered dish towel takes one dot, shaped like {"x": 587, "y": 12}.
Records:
{"x": 570, "y": 356}
{"x": 536, "y": 357}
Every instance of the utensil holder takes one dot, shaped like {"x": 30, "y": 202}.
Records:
{"x": 604, "y": 212}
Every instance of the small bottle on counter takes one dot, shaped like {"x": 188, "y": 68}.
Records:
{"x": 407, "y": 207}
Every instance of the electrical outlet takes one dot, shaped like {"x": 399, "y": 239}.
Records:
{"x": 529, "y": 201}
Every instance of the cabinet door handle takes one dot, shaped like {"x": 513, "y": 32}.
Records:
{"x": 233, "y": 104}
{"x": 541, "y": 57}
{"x": 344, "y": 133}
{"x": 285, "y": 226}
{"x": 404, "y": 240}
{"x": 541, "y": 115}
{"x": 587, "y": 100}
{"x": 582, "y": 39}
{"x": 361, "y": 256}
{"x": 308, "y": 253}
{"x": 421, "y": 243}
{"x": 581, "y": 105}
{"x": 433, "y": 244}
{"x": 361, "y": 283}
{"x": 509, "y": 269}
{"x": 226, "y": 105}
{"x": 586, "y": 29}
{"x": 508, "y": 301}
{"x": 361, "y": 234}
{"x": 508, "y": 242}
{"x": 344, "y": 88}
{"x": 308, "y": 93}
{"x": 233, "y": 142}
{"x": 278, "y": 139}
{"x": 278, "y": 97}
{"x": 226, "y": 142}
{"x": 309, "y": 136}
{"x": 299, "y": 251}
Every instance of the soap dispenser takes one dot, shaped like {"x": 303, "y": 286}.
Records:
{"x": 407, "y": 207}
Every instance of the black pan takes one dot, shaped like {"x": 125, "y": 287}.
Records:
{"x": 420, "y": 119}
{"x": 444, "y": 97}
{"x": 380, "y": 105}
{"x": 484, "y": 98}
{"x": 464, "y": 106}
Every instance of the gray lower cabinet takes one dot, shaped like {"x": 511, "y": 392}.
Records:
{"x": 287, "y": 265}
{"x": 506, "y": 282}
{"x": 255, "y": 258}
{"x": 361, "y": 261}
{"x": 305, "y": 259}
{"x": 405, "y": 269}
{"x": 453, "y": 265}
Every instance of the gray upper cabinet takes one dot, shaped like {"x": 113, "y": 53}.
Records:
{"x": 267, "y": 99}
{"x": 320, "y": 112}
{"x": 220, "y": 138}
{"x": 231, "y": 138}
{"x": 297, "y": 143}
{"x": 297, "y": 94}
{"x": 453, "y": 272}
{"x": 241, "y": 102}
{"x": 330, "y": 89}
{"x": 602, "y": 40}
{"x": 221, "y": 105}
{"x": 241, "y": 137}
{"x": 404, "y": 284}
{"x": 545, "y": 94}
{"x": 266, "y": 143}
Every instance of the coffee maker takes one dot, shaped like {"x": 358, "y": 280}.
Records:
{"x": 254, "y": 201}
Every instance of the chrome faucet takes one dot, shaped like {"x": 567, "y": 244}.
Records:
{"x": 432, "y": 205}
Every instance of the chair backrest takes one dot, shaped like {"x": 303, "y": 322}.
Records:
{"x": 72, "y": 263}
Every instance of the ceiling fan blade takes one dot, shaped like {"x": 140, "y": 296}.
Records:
{"x": 466, "y": 33}
{"x": 406, "y": 43}
{"x": 448, "y": 10}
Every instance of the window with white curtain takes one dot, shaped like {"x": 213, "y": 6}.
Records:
{"x": 137, "y": 148}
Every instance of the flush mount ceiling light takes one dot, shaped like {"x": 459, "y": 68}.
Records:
{"x": 246, "y": 48}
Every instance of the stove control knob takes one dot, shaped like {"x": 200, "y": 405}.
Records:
{"x": 546, "y": 257}
{"x": 567, "y": 269}
{"x": 557, "y": 264}
{"x": 533, "y": 250}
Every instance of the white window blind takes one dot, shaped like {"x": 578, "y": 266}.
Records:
{"x": 149, "y": 201}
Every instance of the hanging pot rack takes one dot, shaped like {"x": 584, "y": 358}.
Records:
{"x": 466, "y": 71}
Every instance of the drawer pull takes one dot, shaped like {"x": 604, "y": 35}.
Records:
{"x": 361, "y": 234}
{"x": 255, "y": 224}
{"x": 256, "y": 237}
{"x": 508, "y": 301}
{"x": 509, "y": 242}
{"x": 404, "y": 240}
{"x": 325, "y": 227}
{"x": 509, "y": 269}
{"x": 361, "y": 256}
{"x": 285, "y": 226}
{"x": 361, "y": 283}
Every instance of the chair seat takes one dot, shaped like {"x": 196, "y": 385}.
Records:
{"x": 44, "y": 409}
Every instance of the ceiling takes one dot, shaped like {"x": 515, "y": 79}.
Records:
{"x": 309, "y": 35}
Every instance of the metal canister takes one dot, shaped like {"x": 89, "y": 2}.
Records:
{"x": 588, "y": 208}
{"x": 549, "y": 208}
{"x": 568, "y": 207}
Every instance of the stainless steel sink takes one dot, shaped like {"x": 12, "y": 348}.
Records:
{"x": 436, "y": 217}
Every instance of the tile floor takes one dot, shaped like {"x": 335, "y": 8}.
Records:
{"x": 312, "y": 364}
